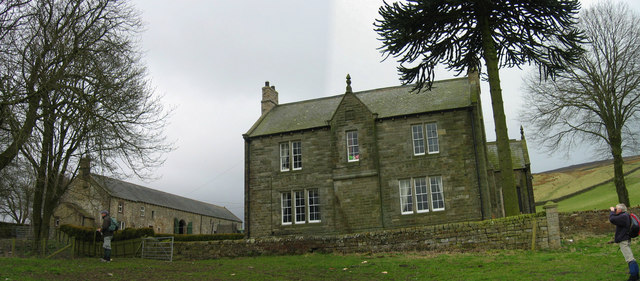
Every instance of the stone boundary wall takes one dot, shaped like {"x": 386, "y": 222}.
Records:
{"x": 588, "y": 222}
{"x": 516, "y": 232}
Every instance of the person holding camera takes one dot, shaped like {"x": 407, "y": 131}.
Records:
{"x": 621, "y": 220}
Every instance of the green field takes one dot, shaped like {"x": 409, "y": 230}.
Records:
{"x": 554, "y": 184}
{"x": 589, "y": 258}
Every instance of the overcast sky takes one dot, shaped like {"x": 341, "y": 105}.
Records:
{"x": 210, "y": 59}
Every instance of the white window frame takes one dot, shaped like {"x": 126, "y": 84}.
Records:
{"x": 142, "y": 211}
{"x": 417, "y": 134}
{"x": 286, "y": 204}
{"x": 122, "y": 225}
{"x": 313, "y": 205}
{"x": 432, "y": 135}
{"x": 285, "y": 157}
{"x": 436, "y": 182}
{"x": 422, "y": 206}
{"x": 300, "y": 206}
{"x": 290, "y": 156}
{"x": 296, "y": 153}
{"x": 353, "y": 149}
{"x": 409, "y": 190}
{"x": 120, "y": 207}
{"x": 406, "y": 196}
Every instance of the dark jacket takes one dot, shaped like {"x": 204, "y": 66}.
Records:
{"x": 621, "y": 221}
{"x": 106, "y": 222}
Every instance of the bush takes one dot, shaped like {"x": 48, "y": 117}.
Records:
{"x": 89, "y": 233}
{"x": 7, "y": 229}
{"x": 202, "y": 237}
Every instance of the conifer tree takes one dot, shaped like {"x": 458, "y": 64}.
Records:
{"x": 465, "y": 35}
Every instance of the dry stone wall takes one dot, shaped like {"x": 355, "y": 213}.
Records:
{"x": 519, "y": 232}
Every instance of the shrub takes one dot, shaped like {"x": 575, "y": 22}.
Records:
{"x": 202, "y": 237}
{"x": 89, "y": 233}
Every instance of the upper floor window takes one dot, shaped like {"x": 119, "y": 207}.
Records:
{"x": 288, "y": 149}
{"x": 418, "y": 197}
{"x": 142, "y": 211}
{"x": 353, "y": 151}
{"x": 300, "y": 206}
{"x": 120, "y": 206}
{"x": 417, "y": 132}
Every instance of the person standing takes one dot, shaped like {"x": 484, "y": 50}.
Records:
{"x": 107, "y": 235}
{"x": 619, "y": 217}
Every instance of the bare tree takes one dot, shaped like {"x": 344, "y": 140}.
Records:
{"x": 596, "y": 100}
{"x": 16, "y": 191}
{"x": 15, "y": 86}
{"x": 80, "y": 61}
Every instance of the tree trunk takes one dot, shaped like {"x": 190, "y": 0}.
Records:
{"x": 618, "y": 171}
{"x": 23, "y": 134}
{"x": 42, "y": 176}
{"x": 509, "y": 194}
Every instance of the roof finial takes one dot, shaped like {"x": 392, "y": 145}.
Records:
{"x": 349, "y": 84}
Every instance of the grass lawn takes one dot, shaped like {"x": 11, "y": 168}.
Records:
{"x": 589, "y": 258}
{"x": 602, "y": 197}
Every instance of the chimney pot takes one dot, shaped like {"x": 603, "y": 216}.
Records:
{"x": 269, "y": 97}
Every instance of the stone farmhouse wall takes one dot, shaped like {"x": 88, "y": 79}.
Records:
{"x": 540, "y": 231}
{"x": 364, "y": 195}
{"x": 83, "y": 201}
{"x": 161, "y": 219}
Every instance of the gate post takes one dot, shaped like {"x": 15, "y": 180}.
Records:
{"x": 553, "y": 224}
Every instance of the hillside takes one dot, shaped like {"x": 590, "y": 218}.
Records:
{"x": 562, "y": 183}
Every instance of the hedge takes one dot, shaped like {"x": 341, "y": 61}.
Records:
{"x": 202, "y": 237}
{"x": 88, "y": 233}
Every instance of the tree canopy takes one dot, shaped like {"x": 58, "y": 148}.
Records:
{"x": 461, "y": 34}
{"x": 597, "y": 99}
{"x": 74, "y": 87}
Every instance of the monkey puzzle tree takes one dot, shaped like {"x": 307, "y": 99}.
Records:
{"x": 597, "y": 99}
{"x": 461, "y": 34}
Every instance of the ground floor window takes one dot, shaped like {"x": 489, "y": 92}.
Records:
{"x": 300, "y": 206}
{"x": 421, "y": 195}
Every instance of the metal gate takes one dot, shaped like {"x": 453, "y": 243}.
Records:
{"x": 157, "y": 248}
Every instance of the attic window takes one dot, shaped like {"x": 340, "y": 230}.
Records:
{"x": 349, "y": 115}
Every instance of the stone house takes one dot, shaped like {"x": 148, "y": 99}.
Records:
{"x": 138, "y": 206}
{"x": 378, "y": 159}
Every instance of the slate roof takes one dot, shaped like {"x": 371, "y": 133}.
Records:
{"x": 386, "y": 102}
{"x": 519, "y": 155}
{"x": 137, "y": 193}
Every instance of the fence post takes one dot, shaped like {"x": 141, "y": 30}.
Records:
{"x": 553, "y": 224}
{"x": 13, "y": 247}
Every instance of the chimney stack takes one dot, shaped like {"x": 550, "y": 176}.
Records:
{"x": 84, "y": 168}
{"x": 269, "y": 97}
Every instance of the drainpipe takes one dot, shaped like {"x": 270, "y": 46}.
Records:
{"x": 475, "y": 152}
{"x": 247, "y": 194}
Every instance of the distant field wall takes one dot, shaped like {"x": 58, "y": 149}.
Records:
{"x": 519, "y": 232}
